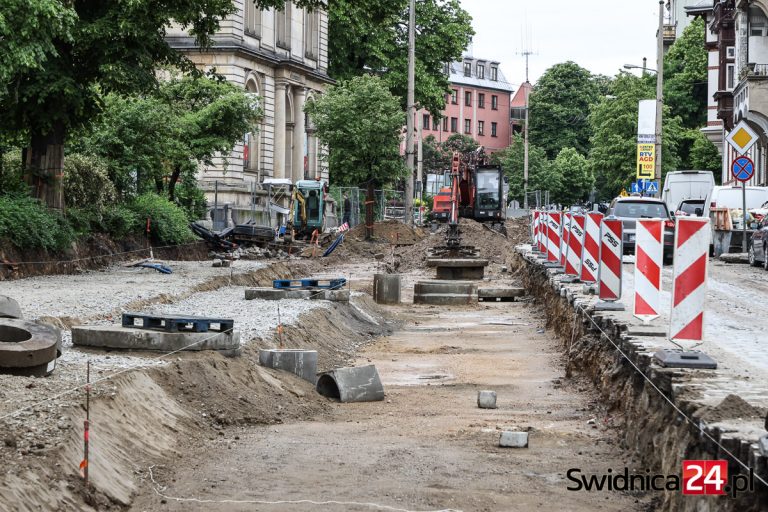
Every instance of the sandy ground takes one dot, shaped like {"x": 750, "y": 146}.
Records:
{"x": 427, "y": 446}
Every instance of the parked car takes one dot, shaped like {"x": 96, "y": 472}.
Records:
{"x": 630, "y": 209}
{"x": 690, "y": 208}
{"x": 758, "y": 246}
{"x": 681, "y": 185}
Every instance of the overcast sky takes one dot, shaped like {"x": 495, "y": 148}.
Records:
{"x": 599, "y": 35}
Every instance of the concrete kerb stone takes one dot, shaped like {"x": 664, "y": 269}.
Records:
{"x": 509, "y": 439}
{"x": 486, "y": 399}
{"x": 9, "y": 308}
{"x": 299, "y": 362}
{"x": 127, "y": 338}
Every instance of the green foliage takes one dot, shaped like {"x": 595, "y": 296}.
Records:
{"x": 613, "y": 121}
{"x": 559, "y": 106}
{"x": 372, "y": 36}
{"x": 361, "y": 121}
{"x": 27, "y": 224}
{"x": 540, "y": 175}
{"x": 685, "y": 76}
{"x": 11, "y": 182}
{"x": 434, "y": 157}
{"x": 168, "y": 222}
{"x": 464, "y": 144}
{"x": 575, "y": 176}
{"x": 87, "y": 183}
{"x": 704, "y": 155}
{"x": 191, "y": 199}
{"x": 120, "y": 221}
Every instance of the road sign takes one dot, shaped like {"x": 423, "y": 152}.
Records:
{"x": 743, "y": 168}
{"x": 644, "y": 186}
{"x": 623, "y": 193}
{"x": 646, "y": 161}
{"x": 652, "y": 187}
{"x": 742, "y": 137}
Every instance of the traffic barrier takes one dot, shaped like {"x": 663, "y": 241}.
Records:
{"x": 575, "y": 244}
{"x": 590, "y": 259}
{"x": 611, "y": 251}
{"x": 535, "y": 229}
{"x": 564, "y": 238}
{"x": 553, "y": 236}
{"x": 543, "y": 232}
{"x": 649, "y": 255}
{"x": 689, "y": 287}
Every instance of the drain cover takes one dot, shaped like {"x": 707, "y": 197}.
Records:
{"x": 685, "y": 359}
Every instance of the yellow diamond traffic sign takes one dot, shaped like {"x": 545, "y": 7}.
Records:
{"x": 742, "y": 137}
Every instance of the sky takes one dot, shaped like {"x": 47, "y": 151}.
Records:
{"x": 599, "y": 35}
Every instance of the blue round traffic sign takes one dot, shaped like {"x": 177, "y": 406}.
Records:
{"x": 743, "y": 168}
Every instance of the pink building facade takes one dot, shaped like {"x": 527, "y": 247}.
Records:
{"x": 478, "y": 105}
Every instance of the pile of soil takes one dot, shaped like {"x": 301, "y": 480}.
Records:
{"x": 389, "y": 231}
{"x": 732, "y": 407}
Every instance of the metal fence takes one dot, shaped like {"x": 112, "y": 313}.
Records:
{"x": 388, "y": 204}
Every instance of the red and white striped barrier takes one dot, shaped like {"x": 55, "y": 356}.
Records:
{"x": 611, "y": 252}
{"x": 566, "y": 235}
{"x": 689, "y": 288}
{"x": 543, "y": 220}
{"x": 649, "y": 256}
{"x": 553, "y": 236}
{"x": 590, "y": 257}
{"x": 575, "y": 244}
{"x": 535, "y": 229}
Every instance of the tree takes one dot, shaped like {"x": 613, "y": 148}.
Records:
{"x": 575, "y": 176}
{"x": 371, "y": 36}
{"x": 559, "y": 104}
{"x": 434, "y": 156}
{"x": 704, "y": 155}
{"x": 685, "y": 76}
{"x": 613, "y": 121}
{"x": 155, "y": 141}
{"x": 59, "y": 58}
{"x": 361, "y": 121}
{"x": 540, "y": 175}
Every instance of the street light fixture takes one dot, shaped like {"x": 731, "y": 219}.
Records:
{"x": 633, "y": 66}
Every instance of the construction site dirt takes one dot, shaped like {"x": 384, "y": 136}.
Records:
{"x": 199, "y": 431}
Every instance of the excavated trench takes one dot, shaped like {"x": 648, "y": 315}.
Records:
{"x": 648, "y": 425}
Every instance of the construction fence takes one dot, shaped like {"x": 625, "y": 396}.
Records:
{"x": 388, "y": 204}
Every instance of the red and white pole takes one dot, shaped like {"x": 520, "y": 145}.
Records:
{"x": 575, "y": 244}
{"x": 689, "y": 288}
{"x": 590, "y": 259}
{"x": 535, "y": 229}
{"x": 649, "y": 255}
{"x": 543, "y": 232}
{"x": 611, "y": 252}
{"x": 565, "y": 237}
{"x": 553, "y": 236}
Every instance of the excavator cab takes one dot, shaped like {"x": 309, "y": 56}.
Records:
{"x": 307, "y": 212}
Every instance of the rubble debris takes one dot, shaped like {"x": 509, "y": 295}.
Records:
{"x": 355, "y": 384}
{"x": 731, "y": 407}
{"x": 486, "y": 399}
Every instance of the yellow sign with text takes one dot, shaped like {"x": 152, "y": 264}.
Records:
{"x": 646, "y": 161}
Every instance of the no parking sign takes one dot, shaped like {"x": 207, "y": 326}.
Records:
{"x": 743, "y": 168}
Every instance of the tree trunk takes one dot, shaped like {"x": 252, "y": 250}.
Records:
{"x": 44, "y": 166}
{"x": 172, "y": 184}
{"x": 369, "y": 201}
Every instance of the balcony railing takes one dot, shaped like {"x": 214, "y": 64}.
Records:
{"x": 669, "y": 32}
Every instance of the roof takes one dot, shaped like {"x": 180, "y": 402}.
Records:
{"x": 699, "y": 8}
{"x": 520, "y": 99}
{"x": 456, "y": 74}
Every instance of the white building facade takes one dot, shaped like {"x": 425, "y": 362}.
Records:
{"x": 281, "y": 56}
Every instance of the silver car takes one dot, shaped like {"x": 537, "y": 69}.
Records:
{"x": 629, "y": 209}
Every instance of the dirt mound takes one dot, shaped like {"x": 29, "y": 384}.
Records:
{"x": 732, "y": 407}
{"x": 390, "y": 231}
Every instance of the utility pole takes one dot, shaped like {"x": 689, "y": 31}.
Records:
{"x": 526, "y": 54}
{"x": 420, "y": 169}
{"x": 659, "y": 91}
{"x": 411, "y": 100}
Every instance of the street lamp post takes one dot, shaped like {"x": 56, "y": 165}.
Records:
{"x": 659, "y": 90}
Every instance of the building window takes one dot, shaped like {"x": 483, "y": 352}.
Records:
{"x": 283, "y": 26}
{"x": 252, "y": 19}
{"x": 454, "y": 125}
{"x": 481, "y": 128}
{"x": 480, "y": 71}
{"x": 494, "y": 102}
{"x": 494, "y": 73}
{"x": 468, "y": 126}
{"x": 481, "y": 100}
{"x": 493, "y": 129}
{"x": 757, "y": 22}
{"x": 446, "y": 69}
{"x": 445, "y": 124}
{"x": 730, "y": 52}
{"x": 730, "y": 76}
{"x": 435, "y": 124}
{"x": 467, "y": 69}
{"x": 425, "y": 122}
{"x": 454, "y": 96}
{"x": 311, "y": 34}
{"x": 468, "y": 98}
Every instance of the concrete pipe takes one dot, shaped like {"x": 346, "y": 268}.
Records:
{"x": 387, "y": 288}
{"x": 9, "y": 308}
{"x": 359, "y": 384}
{"x": 27, "y": 348}
{"x": 299, "y": 362}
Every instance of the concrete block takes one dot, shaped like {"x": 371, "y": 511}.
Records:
{"x": 445, "y": 293}
{"x": 510, "y": 439}
{"x": 647, "y": 330}
{"x": 458, "y": 268}
{"x": 275, "y": 294}
{"x": 510, "y": 292}
{"x": 331, "y": 295}
{"x": 358, "y": 384}
{"x": 9, "y": 308}
{"x": 113, "y": 336}
{"x": 299, "y": 362}
{"x": 589, "y": 289}
{"x": 486, "y": 399}
{"x": 609, "y": 306}
{"x": 387, "y": 288}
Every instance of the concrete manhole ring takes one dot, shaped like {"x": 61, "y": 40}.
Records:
{"x": 9, "y": 308}
{"x": 26, "y": 344}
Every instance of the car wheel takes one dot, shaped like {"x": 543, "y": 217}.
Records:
{"x": 751, "y": 254}
{"x": 765, "y": 257}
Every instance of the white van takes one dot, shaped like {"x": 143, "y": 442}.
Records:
{"x": 682, "y": 185}
{"x": 731, "y": 198}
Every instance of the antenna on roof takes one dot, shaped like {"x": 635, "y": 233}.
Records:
{"x": 526, "y": 40}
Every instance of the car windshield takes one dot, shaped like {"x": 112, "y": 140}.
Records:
{"x": 488, "y": 189}
{"x": 640, "y": 210}
{"x": 690, "y": 207}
